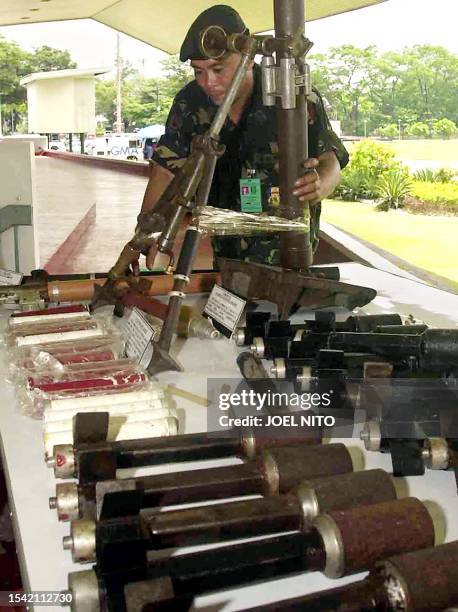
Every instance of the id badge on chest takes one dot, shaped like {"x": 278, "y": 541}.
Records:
{"x": 250, "y": 195}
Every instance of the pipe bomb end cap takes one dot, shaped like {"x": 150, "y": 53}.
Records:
{"x": 66, "y": 501}
{"x": 258, "y": 347}
{"x": 333, "y": 545}
{"x": 81, "y": 541}
{"x": 239, "y": 337}
{"x": 371, "y": 436}
{"x": 436, "y": 454}
{"x": 308, "y": 500}
{"x": 63, "y": 461}
{"x": 84, "y": 588}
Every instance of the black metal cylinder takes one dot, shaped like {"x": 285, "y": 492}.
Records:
{"x": 425, "y": 580}
{"x": 198, "y": 485}
{"x": 220, "y": 522}
{"x": 408, "y": 330}
{"x": 368, "y": 323}
{"x": 186, "y": 447}
{"x": 439, "y": 349}
{"x": 240, "y": 563}
{"x": 393, "y": 345}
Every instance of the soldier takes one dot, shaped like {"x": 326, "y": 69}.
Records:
{"x": 250, "y": 137}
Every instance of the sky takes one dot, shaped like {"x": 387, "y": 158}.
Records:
{"x": 391, "y": 25}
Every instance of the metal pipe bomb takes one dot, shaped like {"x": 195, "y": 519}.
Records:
{"x": 232, "y": 520}
{"x": 277, "y": 470}
{"x": 421, "y": 581}
{"x": 100, "y": 460}
{"x": 339, "y": 544}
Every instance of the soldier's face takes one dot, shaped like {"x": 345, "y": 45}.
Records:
{"x": 215, "y": 76}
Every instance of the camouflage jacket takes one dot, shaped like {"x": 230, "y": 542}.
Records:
{"x": 251, "y": 145}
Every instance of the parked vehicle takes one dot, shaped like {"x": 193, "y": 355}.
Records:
{"x": 118, "y": 146}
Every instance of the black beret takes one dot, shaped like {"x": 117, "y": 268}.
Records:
{"x": 221, "y": 15}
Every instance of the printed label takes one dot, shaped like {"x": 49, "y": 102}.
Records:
{"x": 224, "y": 308}
{"x": 139, "y": 334}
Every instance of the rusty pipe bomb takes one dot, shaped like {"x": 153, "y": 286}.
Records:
{"x": 262, "y": 516}
{"x": 276, "y": 470}
{"x": 229, "y": 521}
{"x": 99, "y": 461}
{"x": 340, "y": 543}
{"x": 421, "y": 581}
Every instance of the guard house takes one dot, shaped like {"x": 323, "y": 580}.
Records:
{"x": 62, "y": 101}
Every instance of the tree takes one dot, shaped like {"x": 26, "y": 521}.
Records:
{"x": 417, "y": 84}
{"x": 105, "y": 98}
{"x": 389, "y": 131}
{"x": 345, "y": 73}
{"x": 45, "y": 59}
{"x": 13, "y": 66}
{"x": 444, "y": 128}
{"x": 418, "y": 130}
{"x": 15, "y": 63}
{"x": 177, "y": 75}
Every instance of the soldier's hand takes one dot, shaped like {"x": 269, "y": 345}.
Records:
{"x": 308, "y": 187}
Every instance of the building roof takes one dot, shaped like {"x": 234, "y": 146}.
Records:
{"x": 75, "y": 73}
{"x": 160, "y": 24}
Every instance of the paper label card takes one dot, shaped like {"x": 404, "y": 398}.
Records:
{"x": 225, "y": 310}
{"x": 139, "y": 334}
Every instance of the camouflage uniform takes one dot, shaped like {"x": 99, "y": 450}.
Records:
{"x": 250, "y": 145}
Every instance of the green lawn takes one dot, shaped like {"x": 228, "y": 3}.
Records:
{"x": 441, "y": 150}
{"x": 428, "y": 242}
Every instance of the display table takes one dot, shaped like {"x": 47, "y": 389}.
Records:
{"x": 44, "y": 563}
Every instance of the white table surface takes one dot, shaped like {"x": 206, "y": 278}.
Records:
{"x": 45, "y": 565}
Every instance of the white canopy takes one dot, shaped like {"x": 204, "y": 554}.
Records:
{"x": 160, "y": 24}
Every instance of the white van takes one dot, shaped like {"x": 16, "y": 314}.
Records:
{"x": 118, "y": 146}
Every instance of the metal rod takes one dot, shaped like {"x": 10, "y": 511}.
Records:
{"x": 223, "y": 110}
{"x": 295, "y": 248}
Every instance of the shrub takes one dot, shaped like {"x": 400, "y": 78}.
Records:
{"x": 389, "y": 131}
{"x": 369, "y": 162}
{"x": 355, "y": 184}
{"x": 428, "y": 175}
{"x": 445, "y": 175}
{"x": 436, "y": 193}
{"x": 392, "y": 188}
{"x": 418, "y": 130}
{"x": 444, "y": 128}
